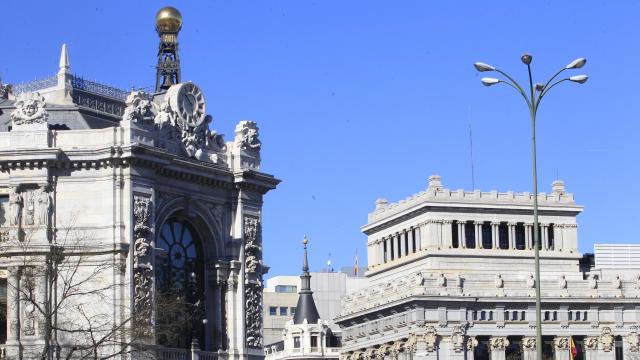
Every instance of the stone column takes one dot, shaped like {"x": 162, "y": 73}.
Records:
{"x": 528, "y": 236}
{"x": 512, "y": 235}
{"x": 591, "y": 348}
{"x": 544, "y": 236}
{"x": 497, "y": 346}
{"x": 562, "y": 347}
{"x": 380, "y": 248}
{"x": 446, "y": 234}
{"x": 419, "y": 234}
{"x": 396, "y": 246}
{"x": 410, "y": 237}
{"x": 388, "y": 241}
{"x": 403, "y": 245}
{"x": 529, "y": 348}
{"x": 13, "y": 305}
{"x": 462, "y": 238}
{"x": 478, "y": 225}
{"x": 495, "y": 235}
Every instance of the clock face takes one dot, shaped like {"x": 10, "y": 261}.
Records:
{"x": 187, "y": 101}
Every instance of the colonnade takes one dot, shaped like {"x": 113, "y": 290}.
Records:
{"x": 454, "y": 234}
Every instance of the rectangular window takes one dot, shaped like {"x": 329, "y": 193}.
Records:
{"x": 454, "y": 234}
{"x": 413, "y": 239}
{"x": 384, "y": 249}
{"x": 292, "y": 310}
{"x": 283, "y": 311}
{"x": 406, "y": 243}
{"x": 296, "y": 342}
{"x": 273, "y": 310}
{"x": 286, "y": 289}
{"x": 314, "y": 341}
{"x": 503, "y": 235}
{"x": 487, "y": 240}
{"x": 550, "y": 236}
{"x": 470, "y": 235}
{"x": 391, "y": 249}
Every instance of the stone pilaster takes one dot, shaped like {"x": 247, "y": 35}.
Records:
{"x": 591, "y": 348}
{"x": 403, "y": 243}
{"x": 529, "y": 348}
{"x": 497, "y": 347}
{"x": 562, "y": 347}
{"x": 411, "y": 241}
{"x": 462, "y": 238}
{"x": 512, "y": 235}
{"x": 528, "y": 236}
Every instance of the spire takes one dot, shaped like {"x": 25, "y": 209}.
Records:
{"x": 306, "y": 308}
{"x": 63, "y": 66}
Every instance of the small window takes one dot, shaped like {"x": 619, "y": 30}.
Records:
{"x": 584, "y": 316}
{"x": 273, "y": 310}
{"x": 555, "y": 316}
{"x": 286, "y": 289}
{"x": 490, "y": 315}
{"x": 475, "y": 315}
{"x": 292, "y": 310}
{"x": 546, "y": 316}
{"x": 470, "y": 235}
{"x": 483, "y": 315}
{"x": 570, "y": 315}
{"x": 283, "y": 311}
{"x": 503, "y": 235}
{"x": 514, "y": 315}
{"x": 523, "y": 315}
{"x": 550, "y": 236}
{"x": 314, "y": 341}
{"x": 577, "y": 315}
{"x": 520, "y": 243}
{"x": 296, "y": 342}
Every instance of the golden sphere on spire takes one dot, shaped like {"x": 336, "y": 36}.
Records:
{"x": 168, "y": 19}
{"x": 305, "y": 241}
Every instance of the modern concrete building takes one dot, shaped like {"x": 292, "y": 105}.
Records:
{"x": 451, "y": 277}
{"x": 129, "y": 227}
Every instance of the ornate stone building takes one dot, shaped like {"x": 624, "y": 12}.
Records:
{"x": 128, "y": 227}
{"x": 451, "y": 275}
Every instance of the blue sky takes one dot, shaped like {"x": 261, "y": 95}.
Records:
{"x": 364, "y": 99}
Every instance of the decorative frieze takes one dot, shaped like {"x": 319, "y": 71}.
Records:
{"x": 253, "y": 281}
{"x": 143, "y": 277}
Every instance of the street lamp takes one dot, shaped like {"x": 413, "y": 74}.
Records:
{"x": 536, "y": 93}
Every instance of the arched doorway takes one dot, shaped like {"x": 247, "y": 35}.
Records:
{"x": 180, "y": 295}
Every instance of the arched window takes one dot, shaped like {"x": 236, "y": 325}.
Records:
{"x": 179, "y": 270}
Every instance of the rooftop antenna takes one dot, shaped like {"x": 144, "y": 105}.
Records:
{"x": 473, "y": 178}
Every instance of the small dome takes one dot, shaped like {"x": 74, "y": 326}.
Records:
{"x": 168, "y": 19}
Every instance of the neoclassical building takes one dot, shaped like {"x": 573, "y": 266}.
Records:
{"x": 451, "y": 275}
{"x": 128, "y": 226}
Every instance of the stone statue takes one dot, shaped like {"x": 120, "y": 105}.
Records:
{"x": 15, "y": 207}
{"x": 457, "y": 339}
{"x": 44, "y": 207}
{"x": 441, "y": 281}
{"x": 165, "y": 122}
{"x": 29, "y": 110}
{"x": 418, "y": 279}
{"x": 431, "y": 339}
{"x": 498, "y": 281}
{"x": 458, "y": 281}
{"x": 616, "y": 283}
{"x": 531, "y": 282}
{"x": 593, "y": 284}
{"x": 606, "y": 339}
{"x": 247, "y": 136}
{"x": 562, "y": 282}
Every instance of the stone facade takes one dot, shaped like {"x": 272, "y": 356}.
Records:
{"x": 451, "y": 276}
{"x": 94, "y": 217}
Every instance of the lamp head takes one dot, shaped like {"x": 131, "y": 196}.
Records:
{"x": 526, "y": 59}
{"x": 580, "y": 79}
{"x": 577, "y": 63}
{"x": 483, "y": 67}
{"x": 487, "y": 81}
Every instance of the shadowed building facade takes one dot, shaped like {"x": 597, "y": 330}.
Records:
{"x": 451, "y": 276}
{"x": 126, "y": 217}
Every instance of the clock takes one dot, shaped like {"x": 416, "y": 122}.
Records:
{"x": 187, "y": 100}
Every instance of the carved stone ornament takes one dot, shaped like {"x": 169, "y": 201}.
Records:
{"x": 457, "y": 339}
{"x": 638, "y": 281}
{"x": 606, "y": 339}
{"x": 431, "y": 339}
{"x": 633, "y": 341}
{"x": 29, "y": 110}
{"x": 410, "y": 344}
{"x": 616, "y": 283}
{"x": 499, "y": 343}
{"x": 397, "y": 348}
{"x": 247, "y": 133}
{"x": 143, "y": 267}
{"x": 561, "y": 343}
{"x": 529, "y": 343}
{"x": 499, "y": 282}
{"x": 253, "y": 276}
{"x": 44, "y": 207}
{"x": 459, "y": 281}
{"x": 591, "y": 342}
{"x": 441, "y": 281}
{"x": 418, "y": 279}
{"x": 370, "y": 354}
{"x": 471, "y": 343}
{"x": 593, "y": 284}
{"x": 139, "y": 108}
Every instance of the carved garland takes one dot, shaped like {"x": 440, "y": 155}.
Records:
{"x": 143, "y": 269}
{"x": 253, "y": 281}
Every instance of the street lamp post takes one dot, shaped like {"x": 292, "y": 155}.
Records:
{"x": 536, "y": 93}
